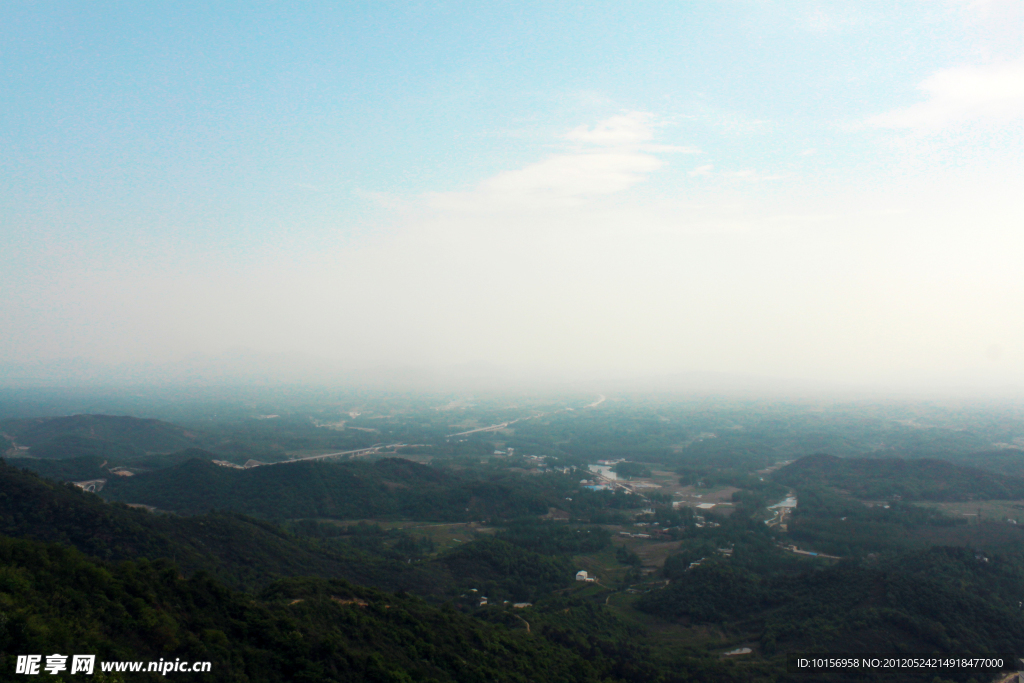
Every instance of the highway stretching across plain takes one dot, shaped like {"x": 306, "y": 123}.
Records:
{"x": 377, "y": 448}
{"x": 359, "y": 451}
{"x": 494, "y": 428}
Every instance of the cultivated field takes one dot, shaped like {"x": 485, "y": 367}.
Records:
{"x": 990, "y": 510}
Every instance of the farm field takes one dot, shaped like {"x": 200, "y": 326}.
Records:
{"x": 666, "y": 635}
{"x": 446, "y": 535}
{"x": 989, "y": 510}
{"x": 691, "y": 496}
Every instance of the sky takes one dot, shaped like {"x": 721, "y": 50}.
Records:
{"x": 829, "y": 191}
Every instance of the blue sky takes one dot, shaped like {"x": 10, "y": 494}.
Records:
{"x": 803, "y": 189}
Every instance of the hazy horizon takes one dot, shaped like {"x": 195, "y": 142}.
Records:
{"x": 819, "y": 195}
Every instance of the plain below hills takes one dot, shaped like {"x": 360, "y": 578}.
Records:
{"x": 895, "y": 479}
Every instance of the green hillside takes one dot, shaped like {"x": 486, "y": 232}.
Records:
{"x": 241, "y": 551}
{"x": 81, "y": 468}
{"x": 99, "y": 435}
{"x": 78, "y": 446}
{"x": 247, "y": 553}
{"x": 55, "y": 599}
{"x": 504, "y": 570}
{"x": 944, "y": 599}
{"x": 156, "y": 595}
{"x": 86, "y": 467}
{"x": 389, "y": 488}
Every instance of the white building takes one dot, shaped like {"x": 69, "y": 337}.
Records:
{"x": 581, "y": 575}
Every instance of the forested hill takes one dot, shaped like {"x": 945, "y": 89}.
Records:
{"x": 145, "y": 600}
{"x": 243, "y": 552}
{"x": 939, "y": 600}
{"x": 57, "y": 600}
{"x": 388, "y": 488}
{"x": 85, "y": 467}
{"x": 883, "y": 479}
{"x": 102, "y": 435}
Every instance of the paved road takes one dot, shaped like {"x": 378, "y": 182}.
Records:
{"x": 359, "y": 451}
{"x": 379, "y": 447}
{"x": 92, "y": 486}
{"x": 493, "y": 428}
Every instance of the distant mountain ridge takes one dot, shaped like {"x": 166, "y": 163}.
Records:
{"x": 114, "y": 435}
{"x": 886, "y": 478}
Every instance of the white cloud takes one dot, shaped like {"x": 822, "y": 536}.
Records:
{"x": 627, "y": 129}
{"x": 708, "y": 170}
{"x": 610, "y": 157}
{"x": 993, "y": 94}
{"x": 576, "y": 175}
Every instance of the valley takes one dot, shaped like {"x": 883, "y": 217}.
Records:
{"x": 707, "y": 559}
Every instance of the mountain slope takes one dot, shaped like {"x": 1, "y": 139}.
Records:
{"x": 241, "y": 551}
{"x": 939, "y": 600}
{"x": 57, "y": 600}
{"x": 103, "y": 435}
{"x": 388, "y": 488}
